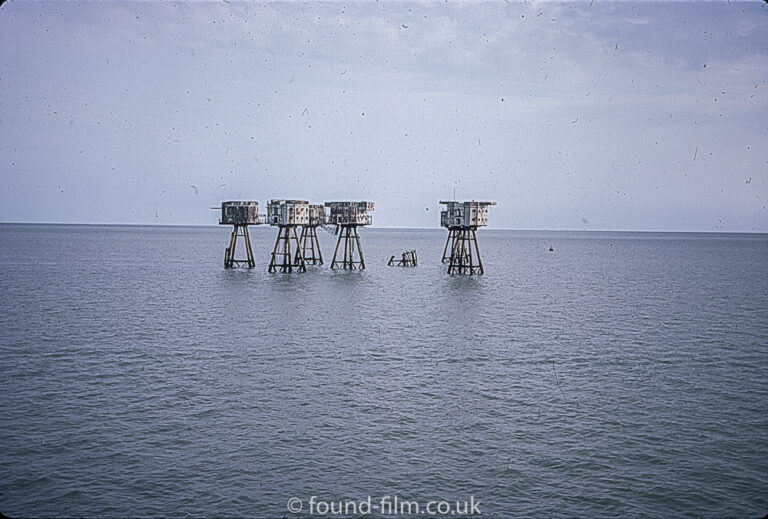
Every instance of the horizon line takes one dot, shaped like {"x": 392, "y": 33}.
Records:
{"x": 670, "y": 231}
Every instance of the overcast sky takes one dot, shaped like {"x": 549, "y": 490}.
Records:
{"x": 601, "y": 115}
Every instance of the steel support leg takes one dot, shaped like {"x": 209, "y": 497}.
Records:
{"x": 359, "y": 249}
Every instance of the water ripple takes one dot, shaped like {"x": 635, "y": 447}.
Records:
{"x": 615, "y": 377}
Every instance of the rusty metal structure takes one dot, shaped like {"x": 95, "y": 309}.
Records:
{"x": 347, "y": 217}
{"x": 408, "y": 259}
{"x": 287, "y": 254}
{"x": 310, "y": 245}
{"x": 462, "y": 220}
{"x": 239, "y": 215}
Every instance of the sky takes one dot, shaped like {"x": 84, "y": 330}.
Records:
{"x": 570, "y": 115}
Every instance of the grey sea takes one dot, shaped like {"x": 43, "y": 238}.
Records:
{"x": 619, "y": 375}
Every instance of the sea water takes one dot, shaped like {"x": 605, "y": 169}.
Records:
{"x": 620, "y": 374}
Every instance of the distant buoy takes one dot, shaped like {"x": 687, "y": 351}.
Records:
{"x": 551, "y": 249}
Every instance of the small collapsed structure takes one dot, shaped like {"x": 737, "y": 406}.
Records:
{"x": 407, "y": 259}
